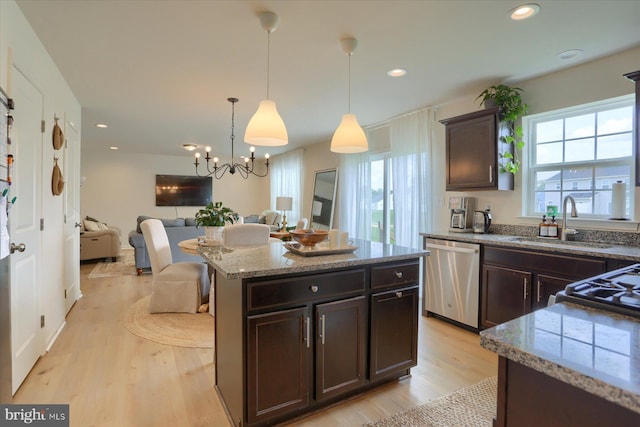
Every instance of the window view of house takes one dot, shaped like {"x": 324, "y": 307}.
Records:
{"x": 581, "y": 152}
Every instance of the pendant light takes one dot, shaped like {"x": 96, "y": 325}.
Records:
{"x": 349, "y": 137}
{"x": 266, "y": 127}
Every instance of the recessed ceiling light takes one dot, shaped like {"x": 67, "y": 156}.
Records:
{"x": 568, "y": 54}
{"x": 113, "y": 147}
{"x": 189, "y": 147}
{"x": 396, "y": 72}
{"x": 524, "y": 11}
{"x": 101, "y": 125}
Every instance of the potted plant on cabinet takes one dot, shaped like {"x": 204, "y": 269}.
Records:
{"x": 512, "y": 108}
{"x": 213, "y": 218}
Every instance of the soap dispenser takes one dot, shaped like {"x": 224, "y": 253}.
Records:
{"x": 544, "y": 227}
{"x": 553, "y": 227}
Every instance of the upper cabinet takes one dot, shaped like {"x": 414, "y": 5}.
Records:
{"x": 474, "y": 149}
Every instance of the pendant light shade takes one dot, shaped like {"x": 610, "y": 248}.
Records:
{"x": 266, "y": 127}
{"x": 349, "y": 137}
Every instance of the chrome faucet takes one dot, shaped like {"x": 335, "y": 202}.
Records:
{"x": 574, "y": 214}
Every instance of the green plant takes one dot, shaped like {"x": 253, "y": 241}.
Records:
{"x": 215, "y": 215}
{"x": 512, "y": 108}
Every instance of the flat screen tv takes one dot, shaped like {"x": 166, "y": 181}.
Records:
{"x": 183, "y": 190}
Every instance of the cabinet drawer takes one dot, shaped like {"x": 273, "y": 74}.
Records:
{"x": 571, "y": 267}
{"x": 395, "y": 274}
{"x": 300, "y": 289}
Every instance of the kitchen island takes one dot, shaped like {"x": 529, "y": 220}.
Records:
{"x": 297, "y": 333}
{"x": 567, "y": 365}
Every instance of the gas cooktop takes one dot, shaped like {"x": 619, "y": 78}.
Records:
{"x": 617, "y": 291}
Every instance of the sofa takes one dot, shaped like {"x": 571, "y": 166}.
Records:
{"x": 269, "y": 217}
{"x": 98, "y": 240}
{"x": 178, "y": 229}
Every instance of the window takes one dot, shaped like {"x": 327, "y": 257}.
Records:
{"x": 382, "y": 229}
{"x": 580, "y": 151}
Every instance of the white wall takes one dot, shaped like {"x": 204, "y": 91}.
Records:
{"x": 593, "y": 81}
{"x": 20, "y": 46}
{"x": 120, "y": 186}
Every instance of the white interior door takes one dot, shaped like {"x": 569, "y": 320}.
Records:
{"x": 26, "y": 335}
{"x": 71, "y": 174}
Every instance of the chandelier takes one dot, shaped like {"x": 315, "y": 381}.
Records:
{"x": 244, "y": 169}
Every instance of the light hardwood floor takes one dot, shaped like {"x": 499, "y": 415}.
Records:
{"x": 112, "y": 378}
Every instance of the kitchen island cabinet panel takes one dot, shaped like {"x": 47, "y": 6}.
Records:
{"x": 340, "y": 346}
{"x": 278, "y": 359}
{"x": 394, "y": 331}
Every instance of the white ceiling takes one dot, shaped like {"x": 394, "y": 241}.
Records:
{"x": 159, "y": 72}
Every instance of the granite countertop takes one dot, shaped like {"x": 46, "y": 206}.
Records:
{"x": 597, "y": 249}
{"x": 274, "y": 258}
{"x": 593, "y": 350}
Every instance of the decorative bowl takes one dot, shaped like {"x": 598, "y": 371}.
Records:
{"x": 309, "y": 238}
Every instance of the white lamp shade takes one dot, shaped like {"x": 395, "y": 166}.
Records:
{"x": 266, "y": 127}
{"x": 349, "y": 137}
{"x": 284, "y": 203}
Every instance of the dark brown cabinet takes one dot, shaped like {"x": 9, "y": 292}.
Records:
{"x": 506, "y": 294}
{"x": 310, "y": 340}
{"x": 341, "y": 329}
{"x": 516, "y": 281}
{"x": 277, "y": 363}
{"x": 474, "y": 148}
{"x": 394, "y": 329}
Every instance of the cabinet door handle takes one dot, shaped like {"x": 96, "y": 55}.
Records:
{"x": 539, "y": 285}
{"x": 322, "y": 329}
{"x": 306, "y": 324}
{"x": 313, "y": 288}
{"x": 399, "y": 294}
{"x": 524, "y": 288}
{"x": 490, "y": 173}
{"x": 399, "y": 274}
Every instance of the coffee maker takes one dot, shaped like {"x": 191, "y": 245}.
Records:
{"x": 461, "y": 214}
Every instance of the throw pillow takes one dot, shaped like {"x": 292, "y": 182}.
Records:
{"x": 271, "y": 218}
{"x": 91, "y": 219}
{"x": 102, "y": 226}
{"x": 91, "y": 225}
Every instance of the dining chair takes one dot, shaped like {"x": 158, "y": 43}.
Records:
{"x": 179, "y": 287}
{"x": 246, "y": 234}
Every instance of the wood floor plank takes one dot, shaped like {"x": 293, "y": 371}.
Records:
{"x": 111, "y": 377}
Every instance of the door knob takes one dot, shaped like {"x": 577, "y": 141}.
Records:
{"x": 20, "y": 248}
{"x": 78, "y": 225}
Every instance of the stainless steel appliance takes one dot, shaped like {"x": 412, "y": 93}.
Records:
{"x": 452, "y": 281}
{"x": 481, "y": 221}
{"x": 617, "y": 291}
{"x": 461, "y": 213}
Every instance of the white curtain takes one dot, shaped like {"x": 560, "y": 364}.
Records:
{"x": 354, "y": 189}
{"x": 410, "y": 143}
{"x": 286, "y": 180}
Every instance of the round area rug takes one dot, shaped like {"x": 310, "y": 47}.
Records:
{"x": 176, "y": 329}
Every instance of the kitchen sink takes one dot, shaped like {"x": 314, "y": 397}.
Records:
{"x": 543, "y": 241}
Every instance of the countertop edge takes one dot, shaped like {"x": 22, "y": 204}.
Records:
{"x": 609, "y": 391}
{"x": 628, "y": 253}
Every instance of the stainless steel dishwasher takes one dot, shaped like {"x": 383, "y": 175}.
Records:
{"x": 452, "y": 281}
